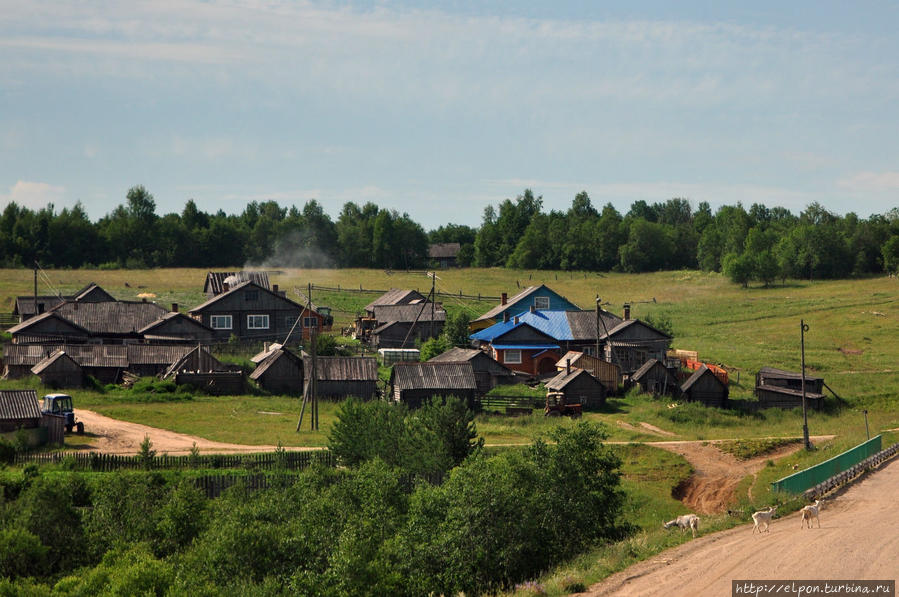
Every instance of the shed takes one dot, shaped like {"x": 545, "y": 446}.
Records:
{"x": 656, "y": 379}
{"x": 788, "y": 398}
{"x": 281, "y": 372}
{"x": 395, "y": 296}
{"x": 413, "y": 383}
{"x": 704, "y": 386}
{"x": 609, "y": 374}
{"x": 341, "y": 377}
{"x": 580, "y": 387}
{"x": 59, "y": 370}
{"x": 488, "y": 372}
{"x": 19, "y": 409}
{"x": 769, "y": 376}
{"x": 444, "y": 254}
{"x": 197, "y": 360}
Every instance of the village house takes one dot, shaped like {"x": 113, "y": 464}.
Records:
{"x": 28, "y": 306}
{"x": 341, "y": 377}
{"x": 539, "y": 297}
{"x": 414, "y": 383}
{"x": 445, "y": 255}
{"x": 488, "y": 372}
{"x": 395, "y": 296}
{"x": 520, "y": 346}
{"x": 400, "y": 326}
{"x": 216, "y": 281}
{"x": 251, "y": 312}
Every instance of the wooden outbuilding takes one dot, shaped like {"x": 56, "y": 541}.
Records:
{"x": 578, "y": 387}
{"x": 196, "y": 360}
{"x": 445, "y": 255}
{"x": 488, "y": 372}
{"x": 704, "y": 386}
{"x": 281, "y": 372}
{"x": 414, "y": 383}
{"x": 341, "y": 377}
{"x": 401, "y": 326}
{"x": 607, "y": 373}
{"x": 656, "y": 379}
{"x": 19, "y": 409}
{"x": 59, "y": 370}
{"x": 776, "y": 388}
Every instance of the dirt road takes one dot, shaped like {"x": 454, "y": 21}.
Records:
{"x": 113, "y": 436}
{"x": 857, "y": 540}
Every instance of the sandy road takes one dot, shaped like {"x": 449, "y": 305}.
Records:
{"x": 858, "y": 539}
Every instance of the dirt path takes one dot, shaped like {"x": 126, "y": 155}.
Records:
{"x": 113, "y": 436}
{"x": 857, "y": 540}
{"x": 716, "y": 474}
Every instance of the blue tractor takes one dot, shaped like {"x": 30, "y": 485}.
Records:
{"x": 60, "y": 405}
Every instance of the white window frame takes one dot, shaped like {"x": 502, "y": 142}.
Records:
{"x": 507, "y": 356}
{"x": 227, "y": 318}
{"x": 538, "y": 306}
{"x": 308, "y": 319}
{"x": 251, "y": 319}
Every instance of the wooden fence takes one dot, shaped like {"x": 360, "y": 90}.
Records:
{"x": 100, "y": 462}
{"x": 512, "y": 405}
{"x": 460, "y": 295}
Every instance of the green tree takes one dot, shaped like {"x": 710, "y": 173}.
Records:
{"x": 891, "y": 255}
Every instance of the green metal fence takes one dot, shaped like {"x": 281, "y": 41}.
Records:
{"x": 799, "y": 482}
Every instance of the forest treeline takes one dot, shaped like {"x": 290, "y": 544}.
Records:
{"x": 759, "y": 244}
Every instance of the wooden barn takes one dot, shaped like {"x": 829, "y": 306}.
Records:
{"x": 704, "y": 386}
{"x": 195, "y": 360}
{"x": 579, "y": 387}
{"x": 445, "y": 255}
{"x": 341, "y": 377}
{"x": 769, "y": 376}
{"x": 401, "y": 326}
{"x": 488, "y": 372}
{"x": 414, "y": 383}
{"x": 281, "y": 372}
{"x": 656, "y": 379}
{"x": 59, "y": 370}
{"x": 395, "y": 296}
{"x": 607, "y": 373}
{"x": 19, "y": 409}
{"x": 633, "y": 342}
{"x": 776, "y": 388}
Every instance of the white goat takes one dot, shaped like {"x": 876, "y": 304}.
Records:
{"x": 763, "y": 516}
{"x": 685, "y": 521}
{"x": 809, "y": 512}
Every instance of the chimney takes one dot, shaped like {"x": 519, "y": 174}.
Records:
{"x": 533, "y": 308}
{"x": 174, "y": 307}
{"x": 567, "y": 366}
{"x": 505, "y": 317}
{"x": 516, "y": 320}
{"x": 627, "y": 311}
{"x": 275, "y": 288}
{"x": 503, "y": 298}
{"x": 226, "y": 287}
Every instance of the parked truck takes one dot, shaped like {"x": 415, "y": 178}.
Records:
{"x": 60, "y": 405}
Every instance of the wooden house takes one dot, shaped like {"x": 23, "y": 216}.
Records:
{"x": 578, "y": 387}
{"x": 400, "y": 326}
{"x": 27, "y": 307}
{"x": 520, "y": 346}
{"x": 59, "y": 370}
{"x": 217, "y": 282}
{"x": 488, "y": 372}
{"x": 341, "y": 377}
{"x": 251, "y": 312}
{"x": 19, "y": 409}
{"x": 414, "y": 383}
{"x": 541, "y": 298}
{"x": 607, "y": 373}
{"x": 704, "y": 386}
{"x": 656, "y": 379}
{"x": 281, "y": 372}
{"x": 633, "y": 342}
{"x": 395, "y": 296}
{"x": 444, "y": 254}
{"x": 177, "y": 327}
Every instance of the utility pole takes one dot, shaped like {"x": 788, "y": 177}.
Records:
{"x": 433, "y": 306}
{"x": 313, "y": 336}
{"x": 803, "y": 328}
{"x": 867, "y": 432}
{"x": 35, "y": 290}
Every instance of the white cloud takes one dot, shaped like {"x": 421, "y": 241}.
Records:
{"x": 871, "y": 182}
{"x": 34, "y": 195}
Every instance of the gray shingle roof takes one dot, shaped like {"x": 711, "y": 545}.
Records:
{"x": 564, "y": 378}
{"x": 16, "y": 405}
{"x": 215, "y": 280}
{"x": 55, "y": 356}
{"x": 111, "y": 317}
{"x": 343, "y": 368}
{"x": 409, "y": 313}
{"x": 395, "y": 296}
{"x": 434, "y": 376}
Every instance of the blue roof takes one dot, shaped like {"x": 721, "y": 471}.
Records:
{"x": 543, "y": 347}
{"x": 551, "y": 323}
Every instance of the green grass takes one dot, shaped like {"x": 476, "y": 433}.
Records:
{"x": 747, "y": 449}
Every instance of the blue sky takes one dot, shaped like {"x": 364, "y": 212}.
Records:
{"x": 439, "y": 110}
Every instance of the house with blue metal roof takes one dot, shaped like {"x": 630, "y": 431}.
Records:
{"x": 540, "y": 298}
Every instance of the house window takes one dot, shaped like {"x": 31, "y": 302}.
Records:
{"x": 289, "y": 321}
{"x": 251, "y": 295}
{"x": 220, "y": 322}
{"x": 310, "y": 322}
{"x": 541, "y": 303}
{"x": 590, "y": 350}
{"x": 257, "y": 322}
{"x": 512, "y": 356}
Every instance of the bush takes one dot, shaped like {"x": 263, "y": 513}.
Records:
{"x": 132, "y": 571}
{"x": 21, "y": 554}
{"x": 7, "y": 451}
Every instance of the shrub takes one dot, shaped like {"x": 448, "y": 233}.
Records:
{"x": 7, "y": 451}
{"x": 132, "y": 571}
{"x": 21, "y": 554}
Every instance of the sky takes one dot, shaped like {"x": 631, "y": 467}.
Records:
{"x": 441, "y": 109}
